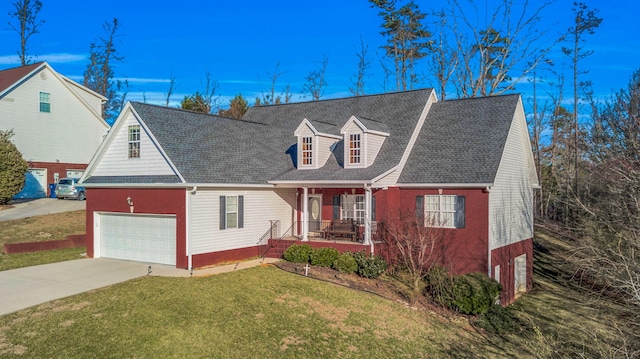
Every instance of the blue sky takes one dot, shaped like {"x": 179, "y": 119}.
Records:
{"x": 240, "y": 43}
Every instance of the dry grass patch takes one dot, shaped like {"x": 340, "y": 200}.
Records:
{"x": 43, "y": 228}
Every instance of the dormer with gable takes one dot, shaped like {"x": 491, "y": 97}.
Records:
{"x": 314, "y": 144}
{"x": 363, "y": 139}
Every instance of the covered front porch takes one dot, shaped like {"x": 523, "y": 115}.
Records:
{"x": 341, "y": 216}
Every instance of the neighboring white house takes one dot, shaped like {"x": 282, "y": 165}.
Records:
{"x": 57, "y": 123}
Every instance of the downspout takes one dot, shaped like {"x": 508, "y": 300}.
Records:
{"x": 367, "y": 217}
{"x": 188, "y": 222}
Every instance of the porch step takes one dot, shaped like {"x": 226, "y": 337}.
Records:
{"x": 276, "y": 248}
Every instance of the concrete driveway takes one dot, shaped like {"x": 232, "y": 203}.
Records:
{"x": 39, "y": 207}
{"x": 25, "y": 287}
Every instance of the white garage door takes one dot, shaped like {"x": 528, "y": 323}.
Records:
{"x": 143, "y": 238}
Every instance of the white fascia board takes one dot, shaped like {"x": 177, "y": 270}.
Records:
{"x": 302, "y": 125}
{"x": 155, "y": 141}
{"x": 445, "y": 185}
{"x": 328, "y": 135}
{"x": 380, "y": 133}
{"x": 176, "y": 185}
{"x": 351, "y": 119}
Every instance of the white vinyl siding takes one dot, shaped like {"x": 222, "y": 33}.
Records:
{"x": 70, "y": 133}
{"x": 115, "y": 157}
{"x": 325, "y": 146}
{"x": 373, "y": 144}
{"x": 259, "y": 207}
{"x": 511, "y": 197}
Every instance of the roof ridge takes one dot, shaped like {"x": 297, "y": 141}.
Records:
{"x": 348, "y": 98}
{"x": 478, "y": 98}
{"x": 133, "y": 103}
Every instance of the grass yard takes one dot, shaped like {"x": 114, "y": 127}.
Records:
{"x": 41, "y": 228}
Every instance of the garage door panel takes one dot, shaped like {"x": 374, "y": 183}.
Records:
{"x": 145, "y": 238}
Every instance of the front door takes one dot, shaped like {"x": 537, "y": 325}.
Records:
{"x": 315, "y": 213}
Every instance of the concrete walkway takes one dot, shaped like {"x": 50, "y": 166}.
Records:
{"x": 25, "y": 287}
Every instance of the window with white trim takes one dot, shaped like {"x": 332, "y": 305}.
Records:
{"x": 231, "y": 212}
{"x": 134, "y": 141}
{"x": 353, "y": 207}
{"x": 45, "y": 102}
{"x": 445, "y": 211}
{"x": 307, "y": 151}
{"x": 355, "y": 148}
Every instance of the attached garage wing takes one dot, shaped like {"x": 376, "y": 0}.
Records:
{"x": 138, "y": 237}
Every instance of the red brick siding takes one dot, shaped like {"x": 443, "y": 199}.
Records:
{"x": 55, "y": 167}
{"x": 149, "y": 201}
{"x": 505, "y": 258}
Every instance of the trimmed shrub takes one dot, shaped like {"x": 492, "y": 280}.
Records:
{"x": 324, "y": 257}
{"x": 369, "y": 266}
{"x": 474, "y": 293}
{"x": 345, "y": 263}
{"x": 298, "y": 253}
{"x": 498, "y": 320}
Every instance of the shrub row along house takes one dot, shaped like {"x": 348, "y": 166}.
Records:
{"x": 189, "y": 189}
{"x": 57, "y": 124}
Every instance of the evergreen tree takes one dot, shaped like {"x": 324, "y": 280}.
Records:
{"x": 12, "y": 168}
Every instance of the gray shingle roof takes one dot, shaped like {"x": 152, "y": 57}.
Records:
{"x": 462, "y": 141}
{"x": 213, "y": 149}
{"x": 398, "y": 111}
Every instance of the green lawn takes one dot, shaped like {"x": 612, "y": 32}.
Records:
{"x": 41, "y": 228}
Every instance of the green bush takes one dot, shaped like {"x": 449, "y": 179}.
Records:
{"x": 369, "y": 266}
{"x": 298, "y": 253}
{"x": 440, "y": 285}
{"x": 474, "y": 293}
{"x": 12, "y": 168}
{"x": 498, "y": 320}
{"x": 324, "y": 257}
{"x": 345, "y": 263}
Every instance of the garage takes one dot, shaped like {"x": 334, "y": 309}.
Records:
{"x": 138, "y": 237}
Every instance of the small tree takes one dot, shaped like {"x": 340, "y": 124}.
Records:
{"x": 12, "y": 168}
{"x": 238, "y": 106}
{"x": 413, "y": 250}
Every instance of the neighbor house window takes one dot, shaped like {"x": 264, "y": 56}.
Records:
{"x": 45, "y": 102}
{"x": 134, "y": 141}
{"x": 442, "y": 210}
{"x": 307, "y": 151}
{"x": 231, "y": 212}
{"x": 354, "y": 148}
{"x": 353, "y": 207}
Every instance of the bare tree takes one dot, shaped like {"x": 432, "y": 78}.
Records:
{"x": 172, "y": 84}
{"x": 414, "y": 248}
{"x": 26, "y": 14}
{"x": 497, "y": 53}
{"x": 270, "y": 96}
{"x": 444, "y": 61}
{"x": 363, "y": 66}
{"x": 315, "y": 81}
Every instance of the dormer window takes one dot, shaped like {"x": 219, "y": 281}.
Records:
{"x": 307, "y": 151}
{"x": 355, "y": 149}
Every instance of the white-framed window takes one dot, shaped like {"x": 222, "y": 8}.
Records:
{"x": 307, "y": 151}
{"x": 45, "y": 102}
{"x": 134, "y": 141}
{"x": 231, "y": 212}
{"x": 446, "y": 211}
{"x": 355, "y": 149}
{"x": 353, "y": 207}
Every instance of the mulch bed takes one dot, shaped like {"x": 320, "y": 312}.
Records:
{"x": 384, "y": 288}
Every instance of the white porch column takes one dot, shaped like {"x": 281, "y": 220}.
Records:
{"x": 305, "y": 213}
{"x": 367, "y": 215}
